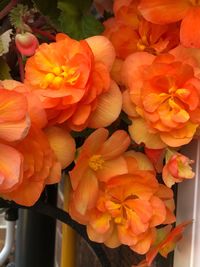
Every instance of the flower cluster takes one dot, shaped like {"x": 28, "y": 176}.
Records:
{"x": 119, "y": 106}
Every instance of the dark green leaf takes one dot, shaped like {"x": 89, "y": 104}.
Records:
{"x": 75, "y": 23}
{"x": 48, "y": 8}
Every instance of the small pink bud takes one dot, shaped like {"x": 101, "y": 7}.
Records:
{"x": 26, "y": 43}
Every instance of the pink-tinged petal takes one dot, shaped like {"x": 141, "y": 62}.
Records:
{"x": 164, "y": 11}
{"x": 191, "y": 21}
{"x": 130, "y": 73}
{"x": 112, "y": 168}
{"x": 62, "y": 144}
{"x": 13, "y": 131}
{"x": 111, "y": 148}
{"x": 85, "y": 196}
{"x": 102, "y": 49}
{"x": 11, "y": 168}
{"x": 139, "y": 133}
{"x": 108, "y": 108}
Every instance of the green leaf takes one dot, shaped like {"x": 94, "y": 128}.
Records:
{"x": 5, "y": 71}
{"x": 75, "y": 22}
{"x": 48, "y": 8}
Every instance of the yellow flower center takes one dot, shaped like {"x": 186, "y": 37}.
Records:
{"x": 96, "y": 162}
{"x": 60, "y": 75}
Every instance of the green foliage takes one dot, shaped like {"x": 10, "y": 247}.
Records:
{"x": 16, "y": 16}
{"x": 76, "y": 21}
{"x": 48, "y": 9}
{"x": 5, "y": 71}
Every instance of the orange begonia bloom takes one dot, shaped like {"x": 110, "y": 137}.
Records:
{"x": 129, "y": 32}
{"x": 99, "y": 160}
{"x": 128, "y": 209}
{"x": 165, "y": 94}
{"x": 39, "y": 167}
{"x": 167, "y": 11}
{"x": 72, "y": 80}
{"x": 177, "y": 168}
{"x": 116, "y": 194}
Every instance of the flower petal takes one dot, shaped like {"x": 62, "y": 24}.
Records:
{"x": 155, "y": 10}
{"x": 102, "y": 49}
{"x": 108, "y": 108}
{"x": 62, "y": 144}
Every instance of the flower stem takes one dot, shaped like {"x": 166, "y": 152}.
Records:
{"x": 44, "y": 33}
{"x": 4, "y": 12}
{"x": 21, "y": 66}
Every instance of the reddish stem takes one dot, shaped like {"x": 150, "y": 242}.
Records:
{"x": 8, "y": 8}
{"x": 21, "y": 66}
{"x": 44, "y": 33}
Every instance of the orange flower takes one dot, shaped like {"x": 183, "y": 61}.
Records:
{"x": 165, "y": 94}
{"x": 128, "y": 209}
{"x": 99, "y": 159}
{"x": 72, "y": 80}
{"x": 186, "y": 10}
{"x": 39, "y": 167}
{"x": 14, "y": 118}
{"x": 177, "y": 168}
{"x": 129, "y": 32}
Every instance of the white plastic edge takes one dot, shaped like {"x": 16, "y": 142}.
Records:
{"x": 187, "y": 253}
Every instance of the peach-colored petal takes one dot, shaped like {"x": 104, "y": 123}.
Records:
{"x": 108, "y": 108}
{"x": 11, "y": 166}
{"x": 128, "y": 106}
{"x": 85, "y": 196}
{"x": 140, "y": 134}
{"x": 111, "y": 149}
{"x": 111, "y": 168}
{"x": 155, "y": 10}
{"x": 159, "y": 211}
{"x": 102, "y": 49}
{"x": 130, "y": 74}
{"x": 62, "y": 144}
{"x": 13, "y": 131}
{"x": 143, "y": 162}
